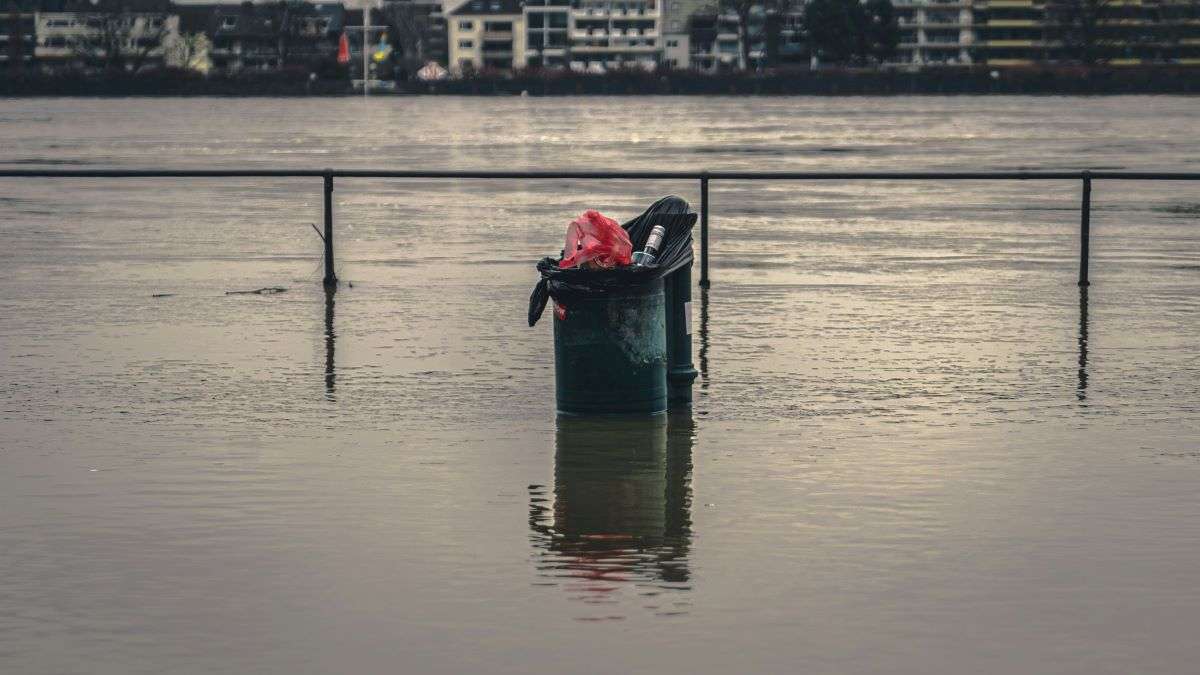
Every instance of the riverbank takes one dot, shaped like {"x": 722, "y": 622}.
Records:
{"x": 842, "y": 82}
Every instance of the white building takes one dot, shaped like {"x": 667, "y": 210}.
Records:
{"x": 675, "y": 38}
{"x": 607, "y": 34}
{"x": 585, "y": 35}
{"x": 486, "y": 35}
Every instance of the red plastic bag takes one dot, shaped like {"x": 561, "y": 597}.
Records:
{"x": 594, "y": 240}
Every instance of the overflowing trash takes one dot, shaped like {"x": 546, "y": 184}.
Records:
{"x": 595, "y": 241}
{"x": 599, "y": 257}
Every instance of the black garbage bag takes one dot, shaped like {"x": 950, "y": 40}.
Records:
{"x": 673, "y": 213}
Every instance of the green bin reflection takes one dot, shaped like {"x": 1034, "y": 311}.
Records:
{"x": 620, "y": 511}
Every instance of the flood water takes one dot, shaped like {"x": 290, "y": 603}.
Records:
{"x": 916, "y": 446}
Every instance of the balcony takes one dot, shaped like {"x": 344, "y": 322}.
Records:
{"x": 945, "y": 4}
{"x": 624, "y": 49}
{"x": 498, "y": 35}
{"x": 632, "y": 35}
{"x": 613, "y": 13}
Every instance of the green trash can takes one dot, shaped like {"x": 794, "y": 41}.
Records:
{"x": 610, "y": 352}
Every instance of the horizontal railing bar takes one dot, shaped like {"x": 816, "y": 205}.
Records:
{"x": 163, "y": 173}
{"x": 600, "y": 175}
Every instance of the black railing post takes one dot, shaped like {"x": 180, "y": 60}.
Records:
{"x": 704, "y": 282}
{"x": 330, "y": 275}
{"x": 1085, "y": 228}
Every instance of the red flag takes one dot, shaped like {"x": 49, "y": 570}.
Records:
{"x": 343, "y": 56}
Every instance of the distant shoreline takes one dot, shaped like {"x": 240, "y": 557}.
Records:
{"x": 941, "y": 81}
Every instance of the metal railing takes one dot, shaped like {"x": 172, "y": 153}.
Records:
{"x": 704, "y": 177}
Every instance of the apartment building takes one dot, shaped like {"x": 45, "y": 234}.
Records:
{"x": 1027, "y": 32}
{"x": 713, "y": 41}
{"x": 265, "y": 37}
{"x": 583, "y": 35}
{"x": 676, "y": 39}
{"x": 18, "y": 35}
{"x": 487, "y": 35}
{"x": 608, "y": 34}
{"x": 1125, "y": 32}
{"x": 935, "y": 32}
{"x": 548, "y": 31}
{"x": 775, "y": 38}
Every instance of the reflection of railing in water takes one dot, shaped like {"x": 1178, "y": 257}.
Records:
{"x": 328, "y": 175}
{"x": 703, "y": 339}
{"x": 1081, "y": 388}
{"x": 330, "y": 340}
{"x": 619, "y": 512}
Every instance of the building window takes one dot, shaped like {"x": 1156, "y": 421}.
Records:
{"x": 672, "y": 43}
{"x": 228, "y": 22}
{"x": 466, "y": 25}
{"x": 466, "y": 44}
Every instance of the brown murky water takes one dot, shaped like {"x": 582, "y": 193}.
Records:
{"x": 916, "y": 447}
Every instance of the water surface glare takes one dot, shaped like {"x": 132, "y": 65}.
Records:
{"x": 916, "y": 447}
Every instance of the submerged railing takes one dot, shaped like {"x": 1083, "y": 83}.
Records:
{"x": 704, "y": 177}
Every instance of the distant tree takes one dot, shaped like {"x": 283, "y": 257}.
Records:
{"x": 1171, "y": 25}
{"x": 408, "y": 29}
{"x": 835, "y": 29}
{"x": 189, "y": 51}
{"x": 881, "y": 33}
{"x": 768, "y": 32}
{"x": 286, "y": 16}
{"x": 118, "y": 40}
{"x": 1080, "y": 27}
{"x": 742, "y": 10}
{"x": 16, "y": 45}
{"x": 777, "y": 18}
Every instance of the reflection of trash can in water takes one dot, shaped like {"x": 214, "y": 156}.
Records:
{"x": 620, "y": 509}
{"x": 612, "y": 351}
